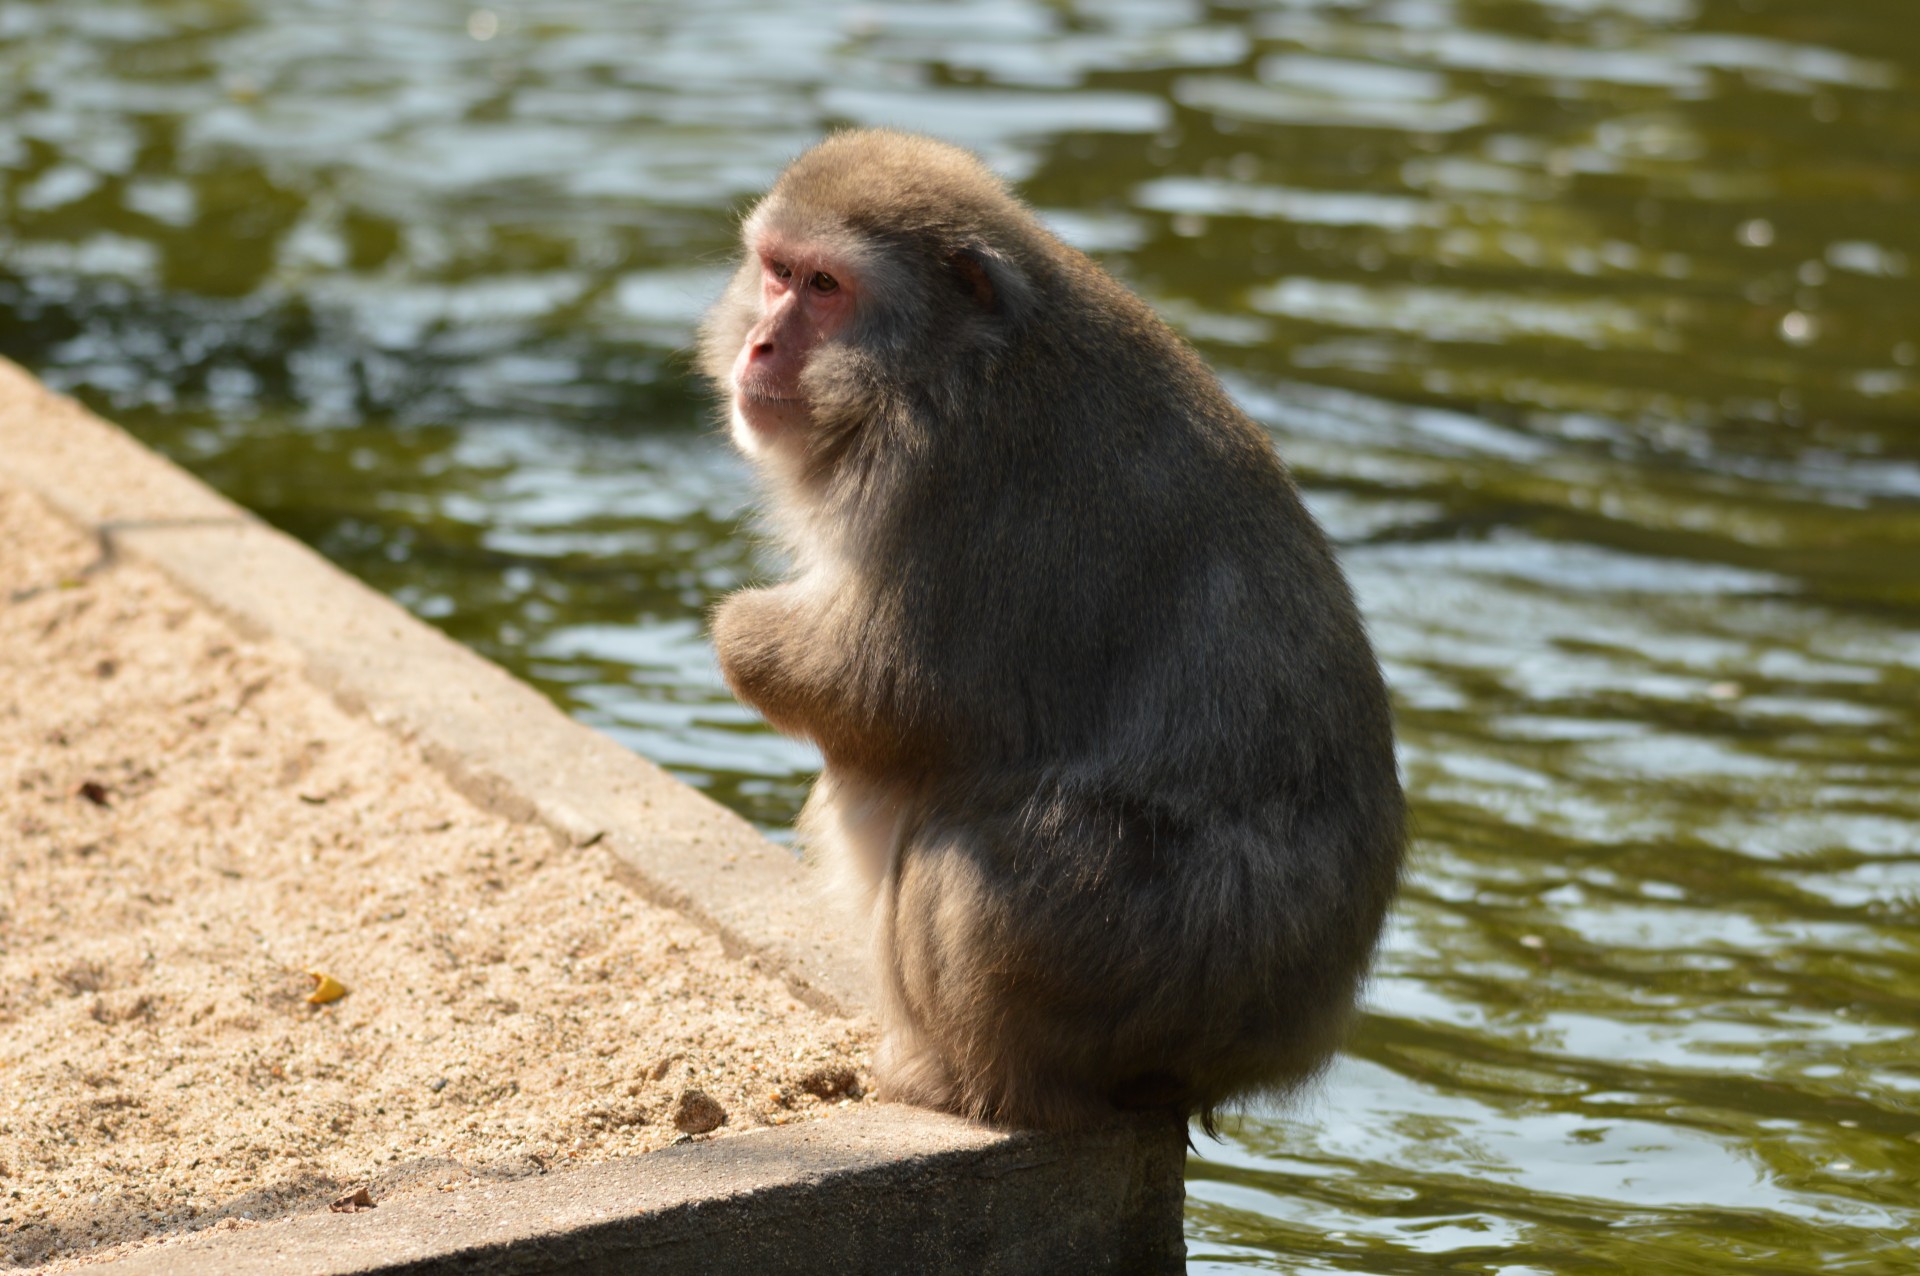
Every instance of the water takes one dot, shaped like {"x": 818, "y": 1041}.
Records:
{"x": 1590, "y": 326}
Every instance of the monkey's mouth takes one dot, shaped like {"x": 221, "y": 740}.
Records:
{"x": 766, "y": 409}
{"x": 760, "y": 418}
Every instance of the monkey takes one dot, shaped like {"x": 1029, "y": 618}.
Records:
{"x": 1108, "y": 761}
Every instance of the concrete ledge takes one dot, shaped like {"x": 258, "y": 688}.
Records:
{"x": 893, "y": 1189}
{"x": 885, "y": 1190}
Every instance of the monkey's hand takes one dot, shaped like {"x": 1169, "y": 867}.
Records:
{"x": 781, "y": 652}
{"x": 771, "y": 651}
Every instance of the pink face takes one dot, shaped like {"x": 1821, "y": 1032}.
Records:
{"x": 806, "y": 297}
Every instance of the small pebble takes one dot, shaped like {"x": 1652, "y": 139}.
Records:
{"x": 697, "y": 1112}
{"x": 353, "y": 1202}
{"x": 831, "y": 1083}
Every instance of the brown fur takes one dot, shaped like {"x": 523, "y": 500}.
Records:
{"x": 1108, "y": 757}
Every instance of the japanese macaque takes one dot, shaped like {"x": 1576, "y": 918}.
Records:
{"x": 1108, "y": 759}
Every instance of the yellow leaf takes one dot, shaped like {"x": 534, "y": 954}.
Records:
{"x": 325, "y": 988}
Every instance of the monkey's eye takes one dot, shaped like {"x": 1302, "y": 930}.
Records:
{"x": 780, "y": 269}
{"x": 823, "y": 282}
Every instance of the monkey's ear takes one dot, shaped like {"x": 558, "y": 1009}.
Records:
{"x": 994, "y": 284}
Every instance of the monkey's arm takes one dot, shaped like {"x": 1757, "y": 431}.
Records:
{"x": 783, "y": 654}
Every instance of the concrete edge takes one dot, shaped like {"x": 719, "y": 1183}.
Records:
{"x": 879, "y": 1190}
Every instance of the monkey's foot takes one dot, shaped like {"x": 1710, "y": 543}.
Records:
{"x": 906, "y": 1070}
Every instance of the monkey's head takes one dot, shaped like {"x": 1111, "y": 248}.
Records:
{"x": 878, "y": 274}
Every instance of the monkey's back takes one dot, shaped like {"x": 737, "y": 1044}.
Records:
{"x": 1164, "y": 872}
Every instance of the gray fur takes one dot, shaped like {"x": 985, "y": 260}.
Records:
{"x": 1109, "y": 760}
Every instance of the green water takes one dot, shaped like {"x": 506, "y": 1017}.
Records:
{"x": 1592, "y": 328}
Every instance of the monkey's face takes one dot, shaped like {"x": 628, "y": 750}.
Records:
{"x": 867, "y": 308}
{"x": 808, "y": 296}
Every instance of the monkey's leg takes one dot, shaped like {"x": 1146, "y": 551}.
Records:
{"x": 973, "y": 1025}
{"x": 853, "y": 828}
{"x": 909, "y": 1064}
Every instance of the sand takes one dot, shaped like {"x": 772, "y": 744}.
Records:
{"x": 188, "y": 828}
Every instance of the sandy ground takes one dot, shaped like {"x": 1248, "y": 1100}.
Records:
{"x": 187, "y": 828}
